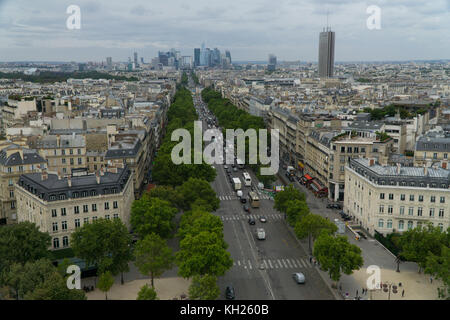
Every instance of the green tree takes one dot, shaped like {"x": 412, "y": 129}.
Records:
{"x": 105, "y": 282}
{"x": 288, "y": 194}
{"x": 337, "y": 255}
{"x": 439, "y": 267}
{"x": 153, "y": 256}
{"x": 167, "y": 193}
{"x": 204, "y": 288}
{"x": 311, "y": 226}
{"x": 418, "y": 243}
{"x": 200, "y": 221}
{"x": 194, "y": 189}
{"x": 21, "y": 243}
{"x": 105, "y": 244}
{"x": 54, "y": 287}
{"x": 203, "y": 253}
{"x": 147, "y": 293}
{"x": 296, "y": 211}
{"x": 152, "y": 215}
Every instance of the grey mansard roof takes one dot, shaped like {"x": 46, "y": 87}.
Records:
{"x": 29, "y": 157}
{"x": 54, "y": 189}
{"x": 436, "y": 143}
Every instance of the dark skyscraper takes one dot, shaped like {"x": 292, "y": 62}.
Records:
{"x": 196, "y": 57}
{"x": 326, "y": 54}
{"x": 228, "y": 55}
{"x": 272, "y": 63}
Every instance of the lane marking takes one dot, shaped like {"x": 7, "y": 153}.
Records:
{"x": 284, "y": 263}
{"x": 270, "y": 263}
{"x": 289, "y": 263}
{"x": 249, "y": 264}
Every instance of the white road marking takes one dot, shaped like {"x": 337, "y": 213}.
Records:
{"x": 289, "y": 263}
{"x": 239, "y": 262}
{"x": 284, "y": 262}
{"x": 299, "y": 263}
{"x": 270, "y": 263}
{"x": 293, "y": 262}
{"x": 249, "y": 264}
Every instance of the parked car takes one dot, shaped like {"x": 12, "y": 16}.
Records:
{"x": 246, "y": 208}
{"x": 229, "y": 293}
{"x": 299, "y": 277}
{"x": 235, "y": 169}
{"x": 251, "y": 221}
{"x": 334, "y": 206}
{"x": 262, "y": 219}
{"x": 362, "y": 234}
{"x": 243, "y": 200}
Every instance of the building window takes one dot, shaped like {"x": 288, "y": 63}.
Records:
{"x": 419, "y": 211}
{"x": 411, "y": 211}
{"x": 411, "y": 197}
{"x": 63, "y": 151}
{"x": 400, "y": 225}
{"x": 390, "y": 209}
{"x": 402, "y": 197}
{"x": 107, "y": 217}
{"x": 79, "y": 151}
{"x": 80, "y": 161}
{"x": 115, "y": 205}
{"x": 13, "y": 204}
{"x": 55, "y": 226}
{"x": 71, "y": 161}
{"x": 94, "y": 207}
{"x": 410, "y": 225}
{"x": 391, "y": 196}
{"x": 9, "y": 170}
{"x": 420, "y": 198}
{"x": 381, "y": 195}
{"x": 431, "y": 212}
{"x": 77, "y": 223}
{"x": 381, "y": 209}
{"x": 389, "y": 224}
{"x": 64, "y": 225}
{"x": 63, "y": 211}
{"x": 55, "y": 243}
{"x": 402, "y": 211}
{"x": 381, "y": 223}
{"x": 86, "y": 220}
{"x": 94, "y": 218}
{"x": 433, "y": 199}
{"x": 85, "y": 208}
{"x": 116, "y": 216}
{"x": 106, "y": 205}
{"x": 10, "y": 182}
{"x": 63, "y": 160}
{"x": 419, "y": 224}
{"x": 54, "y": 213}
{"x": 441, "y": 213}
{"x": 441, "y": 227}
{"x": 76, "y": 209}
{"x": 442, "y": 199}
{"x": 65, "y": 241}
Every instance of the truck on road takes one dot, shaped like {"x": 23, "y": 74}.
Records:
{"x": 237, "y": 184}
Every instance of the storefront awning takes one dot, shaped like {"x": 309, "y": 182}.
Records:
{"x": 308, "y": 177}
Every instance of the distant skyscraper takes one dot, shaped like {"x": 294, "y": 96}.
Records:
{"x": 142, "y": 60}
{"x": 272, "y": 63}
{"x": 228, "y": 55}
{"x": 326, "y": 53}
{"x": 109, "y": 62}
{"x": 136, "y": 59}
{"x": 196, "y": 57}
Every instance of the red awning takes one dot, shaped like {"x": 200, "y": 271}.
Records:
{"x": 308, "y": 177}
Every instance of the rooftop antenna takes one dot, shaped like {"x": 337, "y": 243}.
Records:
{"x": 328, "y": 29}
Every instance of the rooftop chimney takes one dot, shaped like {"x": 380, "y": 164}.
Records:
{"x": 444, "y": 164}
{"x": 44, "y": 175}
{"x": 69, "y": 181}
{"x": 371, "y": 162}
{"x": 102, "y": 172}
{"x": 399, "y": 168}
{"x": 97, "y": 177}
{"x": 58, "y": 140}
{"x": 425, "y": 170}
{"x": 59, "y": 175}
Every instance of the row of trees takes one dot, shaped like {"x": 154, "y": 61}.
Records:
{"x": 230, "y": 117}
{"x": 26, "y": 271}
{"x": 52, "y": 76}
{"x": 334, "y": 253}
{"x": 181, "y": 114}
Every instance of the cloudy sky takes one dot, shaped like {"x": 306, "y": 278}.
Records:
{"x": 250, "y": 29}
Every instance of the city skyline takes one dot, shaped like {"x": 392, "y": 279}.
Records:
{"x": 410, "y": 30}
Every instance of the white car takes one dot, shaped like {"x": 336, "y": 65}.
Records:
{"x": 260, "y": 234}
{"x": 299, "y": 277}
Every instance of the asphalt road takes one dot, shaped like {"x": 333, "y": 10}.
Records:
{"x": 262, "y": 269}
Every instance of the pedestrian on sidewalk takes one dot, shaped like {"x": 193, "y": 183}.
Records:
{"x": 356, "y": 292}
{"x": 310, "y": 259}
{"x": 431, "y": 279}
{"x": 403, "y": 293}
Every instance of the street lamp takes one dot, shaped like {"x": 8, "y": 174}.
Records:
{"x": 387, "y": 288}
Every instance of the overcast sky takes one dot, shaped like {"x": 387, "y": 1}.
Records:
{"x": 250, "y": 29}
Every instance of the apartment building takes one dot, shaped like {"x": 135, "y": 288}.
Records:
{"x": 14, "y": 161}
{"x": 432, "y": 148}
{"x": 385, "y": 199}
{"x": 59, "y": 205}
{"x": 63, "y": 152}
{"x": 15, "y": 109}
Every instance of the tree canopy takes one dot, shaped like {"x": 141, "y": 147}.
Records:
{"x": 289, "y": 193}
{"x": 204, "y": 288}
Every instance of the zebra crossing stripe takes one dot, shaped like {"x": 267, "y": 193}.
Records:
{"x": 249, "y": 264}
{"x": 294, "y": 264}
{"x": 239, "y": 262}
{"x": 275, "y": 263}
{"x": 289, "y": 263}
{"x": 234, "y": 263}
{"x": 305, "y": 263}
{"x": 298, "y": 262}
{"x": 284, "y": 262}
{"x": 270, "y": 263}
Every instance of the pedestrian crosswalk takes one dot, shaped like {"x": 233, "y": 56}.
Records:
{"x": 253, "y": 216}
{"x": 235, "y": 197}
{"x": 281, "y": 263}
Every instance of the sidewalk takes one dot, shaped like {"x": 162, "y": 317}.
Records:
{"x": 166, "y": 289}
